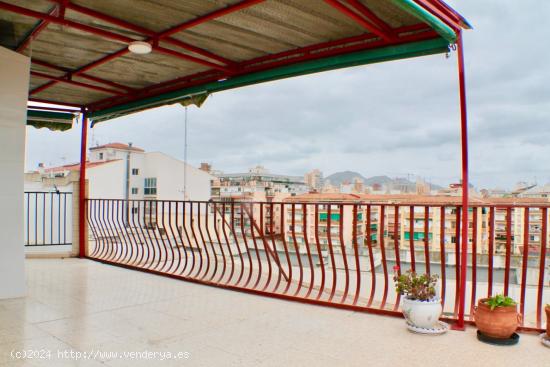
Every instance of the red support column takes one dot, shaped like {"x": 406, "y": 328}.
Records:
{"x": 465, "y": 187}
{"x": 82, "y": 189}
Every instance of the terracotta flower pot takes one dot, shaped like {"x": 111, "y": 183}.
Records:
{"x": 499, "y": 323}
{"x": 547, "y": 309}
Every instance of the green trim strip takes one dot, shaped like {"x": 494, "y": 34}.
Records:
{"x": 422, "y": 14}
{"x": 414, "y": 49}
{"x": 57, "y": 121}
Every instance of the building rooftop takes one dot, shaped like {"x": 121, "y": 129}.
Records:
{"x": 413, "y": 199}
{"x": 120, "y": 146}
{"x": 82, "y": 305}
{"x": 76, "y": 166}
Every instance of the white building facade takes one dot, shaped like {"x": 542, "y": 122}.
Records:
{"x": 120, "y": 171}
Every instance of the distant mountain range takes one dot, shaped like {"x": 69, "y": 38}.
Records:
{"x": 338, "y": 178}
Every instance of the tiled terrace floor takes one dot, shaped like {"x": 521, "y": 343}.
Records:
{"x": 81, "y": 305}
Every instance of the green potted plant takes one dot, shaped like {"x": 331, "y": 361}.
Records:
{"x": 497, "y": 317}
{"x": 421, "y": 307}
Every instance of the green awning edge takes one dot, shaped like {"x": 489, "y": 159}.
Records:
{"x": 55, "y": 121}
{"x": 187, "y": 100}
{"x": 389, "y": 53}
{"x": 422, "y": 14}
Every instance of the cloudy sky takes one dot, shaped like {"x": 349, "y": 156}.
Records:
{"x": 397, "y": 119}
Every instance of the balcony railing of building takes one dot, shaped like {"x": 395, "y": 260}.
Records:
{"x": 48, "y": 218}
{"x": 206, "y": 242}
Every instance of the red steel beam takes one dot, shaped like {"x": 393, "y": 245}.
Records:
{"x": 82, "y": 75}
{"x": 104, "y": 33}
{"x": 445, "y": 9}
{"x": 82, "y": 189}
{"x": 465, "y": 186}
{"x": 456, "y": 26}
{"x": 42, "y": 24}
{"x": 373, "y": 18}
{"x": 144, "y": 31}
{"x": 205, "y": 18}
{"x": 73, "y": 82}
{"x": 359, "y": 19}
{"x": 362, "y": 37}
{"x": 264, "y": 62}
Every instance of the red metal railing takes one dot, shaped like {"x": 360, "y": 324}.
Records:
{"x": 335, "y": 254}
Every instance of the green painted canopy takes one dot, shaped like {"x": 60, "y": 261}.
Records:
{"x": 57, "y": 121}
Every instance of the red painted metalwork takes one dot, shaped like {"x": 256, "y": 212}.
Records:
{"x": 442, "y": 255}
{"x": 210, "y": 16}
{"x": 42, "y": 24}
{"x": 85, "y": 68}
{"x": 542, "y": 263}
{"x": 396, "y": 234}
{"x": 82, "y": 75}
{"x": 72, "y": 82}
{"x": 153, "y": 242}
{"x": 465, "y": 183}
{"x": 508, "y": 250}
{"x": 427, "y": 238}
{"x": 443, "y": 15}
{"x": 457, "y": 259}
{"x": 524, "y": 262}
{"x": 163, "y": 35}
{"x": 300, "y": 55}
{"x": 411, "y": 238}
{"x": 82, "y": 190}
{"x": 474, "y": 262}
{"x": 491, "y": 251}
{"x": 356, "y": 254}
{"x": 144, "y": 31}
{"x": 447, "y": 10}
{"x": 385, "y": 31}
{"x": 105, "y": 34}
{"x": 358, "y": 18}
{"x": 381, "y": 243}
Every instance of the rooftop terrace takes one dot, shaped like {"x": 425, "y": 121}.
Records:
{"x": 81, "y": 305}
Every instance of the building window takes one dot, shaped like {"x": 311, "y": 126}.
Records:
{"x": 150, "y": 187}
{"x": 134, "y": 190}
{"x": 135, "y": 171}
{"x": 100, "y": 155}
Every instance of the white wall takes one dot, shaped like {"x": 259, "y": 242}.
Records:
{"x": 14, "y": 89}
{"x": 169, "y": 172}
{"x": 107, "y": 181}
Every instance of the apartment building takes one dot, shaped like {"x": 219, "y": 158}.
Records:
{"x": 314, "y": 180}
{"x": 324, "y": 218}
{"x": 122, "y": 171}
{"x": 237, "y": 191}
{"x": 415, "y": 221}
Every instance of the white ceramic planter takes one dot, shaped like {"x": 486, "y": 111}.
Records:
{"x": 423, "y": 314}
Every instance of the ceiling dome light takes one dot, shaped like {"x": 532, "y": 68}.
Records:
{"x": 140, "y": 47}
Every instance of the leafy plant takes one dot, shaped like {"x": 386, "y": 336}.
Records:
{"x": 414, "y": 286}
{"x": 500, "y": 301}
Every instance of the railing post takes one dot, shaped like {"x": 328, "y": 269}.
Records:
{"x": 82, "y": 189}
{"x": 465, "y": 186}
